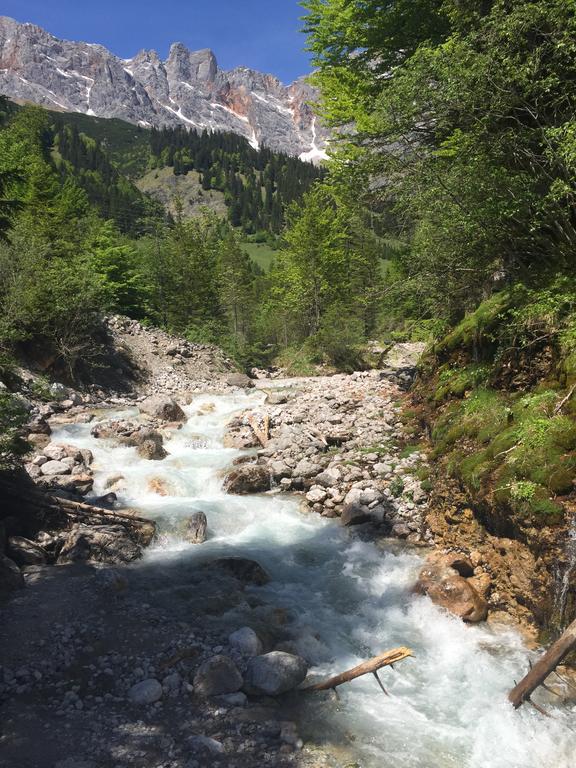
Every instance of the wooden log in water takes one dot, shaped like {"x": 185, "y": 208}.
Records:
{"x": 371, "y": 666}
{"x": 544, "y": 666}
{"x": 142, "y": 529}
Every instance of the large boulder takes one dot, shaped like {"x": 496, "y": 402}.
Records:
{"x": 216, "y": 676}
{"x": 195, "y": 527}
{"x": 10, "y": 576}
{"x": 163, "y": 408}
{"x": 274, "y": 673}
{"x": 447, "y": 589}
{"x": 26, "y": 552}
{"x": 250, "y": 478}
{"x": 99, "y": 543}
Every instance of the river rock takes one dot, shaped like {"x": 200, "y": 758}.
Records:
{"x": 316, "y": 495}
{"x": 451, "y": 591}
{"x": 216, "y": 676}
{"x": 206, "y": 744}
{"x": 246, "y": 642}
{"x": 305, "y": 468}
{"x": 10, "y": 576}
{"x": 146, "y": 692}
{"x": 163, "y": 408}
{"x": 355, "y": 514}
{"x": 26, "y": 552}
{"x": 241, "y": 568}
{"x": 55, "y": 468}
{"x": 99, "y": 543}
{"x": 239, "y": 380}
{"x": 151, "y": 448}
{"x": 329, "y": 478}
{"x": 251, "y": 478}
{"x": 195, "y": 528}
{"x": 275, "y": 673}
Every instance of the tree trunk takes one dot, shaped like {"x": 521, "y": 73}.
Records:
{"x": 546, "y": 664}
{"x": 367, "y": 667}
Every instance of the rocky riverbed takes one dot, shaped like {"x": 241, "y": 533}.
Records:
{"x": 172, "y": 628}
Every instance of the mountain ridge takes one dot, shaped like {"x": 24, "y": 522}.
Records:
{"x": 187, "y": 88}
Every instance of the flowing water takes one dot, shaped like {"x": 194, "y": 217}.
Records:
{"x": 350, "y": 600}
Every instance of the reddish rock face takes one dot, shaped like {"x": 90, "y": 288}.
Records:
{"x": 447, "y": 589}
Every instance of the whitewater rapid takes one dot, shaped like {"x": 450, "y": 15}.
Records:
{"x": 346, "y": 600}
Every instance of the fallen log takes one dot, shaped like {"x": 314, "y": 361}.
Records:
{"x": 544, "y": 666}
{"x": 142, "y": 529}
{"x": 387, "y": 659}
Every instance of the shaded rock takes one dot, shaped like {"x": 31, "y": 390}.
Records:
{"x": 239, "y": 380}
{"x": 206, "y": 744}
{"x": 10, "y": 576}
{"x": 216, "y": 676}
{"x": 245, "y": 570}
{"x": 77, "y": 484}
{"x": 275, "y": 673}
{"x": 106, "y": 502}
{"x": 250, "y": 478}
{"x": 246, "y": 641}
{"x": 452, "y": 592}
{"x": 195, "y": 528}
{"x": 164, "y": 408}
{"x": 99, "y": 543}
{"x": 26, "y": 552}
{"x": 355, "y": 514}
{"x": 145, "y": 692}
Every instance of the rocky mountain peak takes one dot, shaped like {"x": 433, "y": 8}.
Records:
{"x": 188, "y": 89}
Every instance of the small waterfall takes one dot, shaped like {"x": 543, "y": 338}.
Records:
{"x": 561, "y": 600}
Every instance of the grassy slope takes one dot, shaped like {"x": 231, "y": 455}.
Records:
{"x": 165, "y": 187}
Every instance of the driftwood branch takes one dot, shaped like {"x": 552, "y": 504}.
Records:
{"x": 563, "y": 402}
{"x": 371, "y": 667}
{"x": 544, "y": 666}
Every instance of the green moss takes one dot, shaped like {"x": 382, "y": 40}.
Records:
{"x": 408, "y": 450}
{"x": 474, "y": 327}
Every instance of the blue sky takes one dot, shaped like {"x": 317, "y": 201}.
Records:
{"x": 263, "y": 34}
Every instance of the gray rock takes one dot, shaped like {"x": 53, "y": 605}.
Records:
{"x": 275, "y": 673}
{"x": 10, "y": 576}
{"x": 246, "y": 642}
{"x": 241, "y": 568}
{"x": 163, "y": 408}
{"x": 239, "y": 380}
{"x": 26, "y": 552}
{"x": 152, "y": 449}
{"x": 250, "y": 478}
{"x": 206, "y": 744}
{"x": 55, "y": 468}
{"x": 145, "y": 692}
{"x": 99, "y": 543}
{"x": 216, "y": 676}
{"x": 195, "y": 528}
